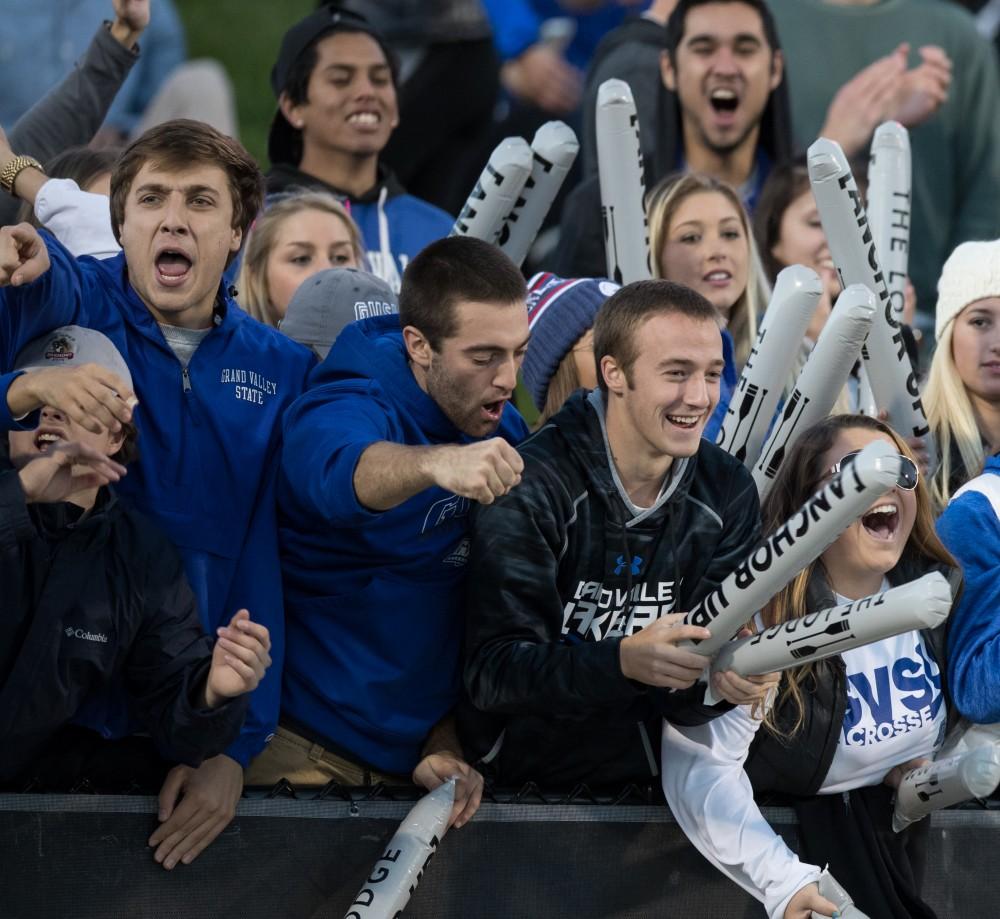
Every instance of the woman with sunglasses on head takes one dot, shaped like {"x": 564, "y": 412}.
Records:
{"x": 839, "y": 733}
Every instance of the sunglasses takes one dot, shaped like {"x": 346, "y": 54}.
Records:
{"x": 908, "y": 472}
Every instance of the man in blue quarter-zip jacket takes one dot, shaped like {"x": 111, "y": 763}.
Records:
{"x": 381, "y": 461}
{"x": 211, "y": 385}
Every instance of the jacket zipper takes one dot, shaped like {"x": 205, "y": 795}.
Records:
{"x": 186, "y": 379}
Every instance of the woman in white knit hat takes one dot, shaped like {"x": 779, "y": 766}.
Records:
{"x": 962, "y": 398}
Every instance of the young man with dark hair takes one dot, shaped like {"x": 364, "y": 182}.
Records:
{"x": 578, "y": 578}
{"x": 211, "y": 384}
{"x": 723, "y": 112}
{"x": 335, "y": 81}
{"x": 382, "y": 459}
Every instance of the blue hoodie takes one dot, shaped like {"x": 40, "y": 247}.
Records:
{"x": 208, "y": 442}
{"x": 395, "y": 226}
{"x": 372, "y": 600}
{"x": 970, "y": 528}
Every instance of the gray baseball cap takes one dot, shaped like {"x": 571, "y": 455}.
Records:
{"x": 329, "y": 300}
{"x": 71, "y": 346}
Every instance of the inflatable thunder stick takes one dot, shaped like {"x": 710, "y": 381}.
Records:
{"x": 921, "y": 604}
{"x": 832, "y": 891}
{"x": 822, "y": 378}
{"x": 496, "y": 192}
{"x": 889, "y": 201}
{"x": 796, "y": 293}
{"x": 623, "y": 187}
{"x": 554, "y": 148}
{"x": 795, "y": 544}
{"x": 944, "y": 782}
{"x": 396, "y": 874}
{"x": 853, "y": 249}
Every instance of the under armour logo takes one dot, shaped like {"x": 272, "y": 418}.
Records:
{"x": 633, "y": 565}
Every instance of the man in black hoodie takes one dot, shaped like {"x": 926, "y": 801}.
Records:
{"x": 721, "y": 109}
{"x": 624, "y": 519}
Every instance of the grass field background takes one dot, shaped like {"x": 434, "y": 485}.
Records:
{"x": 244, "y": 36}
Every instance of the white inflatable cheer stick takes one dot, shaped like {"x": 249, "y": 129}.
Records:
{"x": 853, "y": 249}
{"x": 921, "y": 604}
{"x": 974, "y": 774}
{"x": 396, "y": 874}
{"x": 496, "y": 192}
{"x": 822, "y": 378}
{"x": 794, "y": 545}
{"x": 554, "y": 148}
{"x": 832, "y": 891}
{"x": 889, "y": 202}
{"x": 796, "y": 293}
{"x": 623, "y": 187}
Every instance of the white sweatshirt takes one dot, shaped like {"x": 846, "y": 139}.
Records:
{"x": 712, "y": 800}
{"x": 80, "y": 220}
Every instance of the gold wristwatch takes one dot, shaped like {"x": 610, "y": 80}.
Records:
{"x": 10, "y": 172}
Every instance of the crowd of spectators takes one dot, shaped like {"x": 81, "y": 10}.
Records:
{"x": 268, "y": 511}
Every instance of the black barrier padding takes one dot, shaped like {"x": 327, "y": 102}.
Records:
{"x": 308, "y": 860}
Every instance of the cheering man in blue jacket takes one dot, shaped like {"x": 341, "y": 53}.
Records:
{"x": 211, "y": 385}
{"x": 382, "y": 459}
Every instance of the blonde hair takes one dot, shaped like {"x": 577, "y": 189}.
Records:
{"x": 565, "y": 381}
{"x": 253, "y": 293}
{"x": 798, "y": 479}
{"x": 951, "y": 419}
{"x": 661, "y": 205}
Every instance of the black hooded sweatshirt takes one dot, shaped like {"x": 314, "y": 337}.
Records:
{"x": 564, "y": 567}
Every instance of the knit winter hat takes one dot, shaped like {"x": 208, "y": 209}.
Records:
{"x": 560, "y": 311}
{"x": 971, "y": 273}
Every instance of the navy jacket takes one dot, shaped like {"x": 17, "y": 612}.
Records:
{"x": 88, "y": 601}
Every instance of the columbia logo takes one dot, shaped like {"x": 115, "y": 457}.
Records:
{"x": 84, "y": 635}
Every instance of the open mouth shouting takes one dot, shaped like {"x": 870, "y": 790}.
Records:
{"x": 47, "y": 438}
{"x": 173, "y": 267}
{"x": 724, "y": 102}
{"x": 493, "y": 410}
{"x": 882, "y": 521}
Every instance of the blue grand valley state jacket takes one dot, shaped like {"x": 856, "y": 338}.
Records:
{"x": 208, "y": 441}
{"x": 373, "y": 601}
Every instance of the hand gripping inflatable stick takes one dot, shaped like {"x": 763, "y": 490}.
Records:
{"x": 974, "y": 774}
{"x": 796, "y": 294}
{"x": 554, "y": 148}
{"x": 496, "y": 192}
{"x": 889, "y": 189}
{"x": 623, "y": 188}
{"x": 853, "y": 249}
{"x": 921, "y": 604}
{"x": 821, "y": 379}
{"x": 396, "y": 874}
{"x": 794, "y": 545}
{"x": 829, "y": 888}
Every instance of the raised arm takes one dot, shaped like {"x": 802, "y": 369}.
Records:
{"x": 71, "y": 113}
